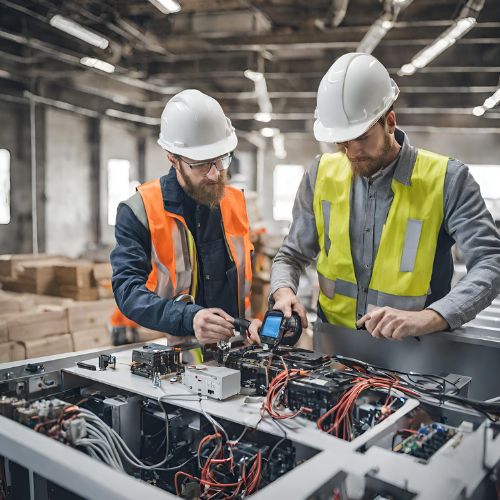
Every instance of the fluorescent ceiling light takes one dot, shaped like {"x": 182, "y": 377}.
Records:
{"x": 255, "y": 76}
{"x": 263, "y": 117}
{"x": 374, "y": 35}
{"x": 92, "y": 62}
{"x": 407, "y": 69}
{"x": 269, "y": 132}
{"x": 279, "y": 146}
{"x": 443, "y": 42}
{"x": 489, "y": 103}
{"x": 478, "y": 111}
{"x": 382, "y": 25}
{"x": 78, "y": 31}
{"x": 166, "y": 6}
{"x": 262, "y": 95}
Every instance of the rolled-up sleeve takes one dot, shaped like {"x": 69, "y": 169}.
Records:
{"x": 470, "y": 224}
{"x": 301, "y": 246}
{"x": 131, "y": 264}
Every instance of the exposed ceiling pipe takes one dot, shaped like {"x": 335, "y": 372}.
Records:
{"x": 465, "y": 21}
{"x": 335, "y": 15}
{"x": 29, "y": 97}
{"x": 74, "y": 60}
{"x": 382, "y": 25}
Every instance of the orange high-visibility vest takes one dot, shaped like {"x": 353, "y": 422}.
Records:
{"x": 119, "y": 319}
{"x": 173, "y": 252}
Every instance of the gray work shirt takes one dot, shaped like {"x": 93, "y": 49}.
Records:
{"x": 467, "y": 222}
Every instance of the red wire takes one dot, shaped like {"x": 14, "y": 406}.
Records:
{"x": 344, "y": 407}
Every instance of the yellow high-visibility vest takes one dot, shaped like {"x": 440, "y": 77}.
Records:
{"x": 403, "y": 265}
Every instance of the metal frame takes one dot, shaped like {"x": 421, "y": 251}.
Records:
{"x": 450, "y": 474}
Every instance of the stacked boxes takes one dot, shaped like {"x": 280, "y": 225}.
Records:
{"x": 76, "y": 280}
{"x": 51, "y": 305}
{"x": 87, "y": 322}
{"x": 57, "y": 276}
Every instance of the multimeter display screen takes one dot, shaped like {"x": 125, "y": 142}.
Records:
{"x": 271, "y": 327}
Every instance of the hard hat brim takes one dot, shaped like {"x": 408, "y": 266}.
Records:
{"x": 340, "y": 134}
{"x": 205, "y": 152}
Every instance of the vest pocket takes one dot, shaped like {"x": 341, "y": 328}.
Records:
{"x": 410, "y": 247}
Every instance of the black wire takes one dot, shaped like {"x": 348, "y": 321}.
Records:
{"x": 352, "y": 362}
{"x": 167, "y": 426}
{"x": 274, "y": 448}
{"x": 483, "y": 407}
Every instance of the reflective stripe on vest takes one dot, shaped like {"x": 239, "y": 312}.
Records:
{"x": 403, "y": 265}
{"x": 173, "y": 250}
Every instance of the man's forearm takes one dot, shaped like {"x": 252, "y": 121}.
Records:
{"x": 151, "y": 311}
{"x": 300, "y": 247}
{"x": 285, "y": 272}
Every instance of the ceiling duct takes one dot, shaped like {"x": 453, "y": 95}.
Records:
{"x": 465, "y": 21}
{"x": 382, "y": 25}
{"x": 335, "y": 15}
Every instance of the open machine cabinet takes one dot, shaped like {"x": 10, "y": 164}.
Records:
{"x": 453, "y": 456}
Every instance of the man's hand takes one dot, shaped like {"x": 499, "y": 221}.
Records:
{"x": 389, "y": 323}
{"x": 286, "y": 302}
{"x": 253, "y": 331}
{"x": 212, "y": 325}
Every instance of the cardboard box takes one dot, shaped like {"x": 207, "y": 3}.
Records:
{"x": 105, "y": 290}
{"x": 79, "y": 274}
{"x": 89, "y": 315}
{"x": 33, "y": 277}
{"x": 38, "y": 324}
{"x": 10, "y": 262}
{"x": 102, "y": 271}
{"x": 10, "y": 302}
{"x": 31, "y": 301}
{"x": 90, "y": 339}
{"x": 12, "y": 351}
{"x": 75, "y": 293}
{"x": 56, "y": 344}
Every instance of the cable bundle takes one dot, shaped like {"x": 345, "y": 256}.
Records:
{"x": 341, "y": 413}
{"x": 276, "y": 394}
{"x": 221, "y": 476}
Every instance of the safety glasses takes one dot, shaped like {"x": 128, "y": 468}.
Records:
{"x": 204, "y": 167}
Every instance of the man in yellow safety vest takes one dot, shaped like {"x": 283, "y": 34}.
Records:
{"x": 381, "y": 217}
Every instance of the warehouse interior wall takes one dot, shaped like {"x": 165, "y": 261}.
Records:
{"x": 68, "y": 184}
{"x": 157, "y": 163}
{"x": 16, "y": 237}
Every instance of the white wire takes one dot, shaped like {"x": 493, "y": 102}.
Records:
{"x": 99, "y": 448}
{"x": 110, "y": 445}
{"x": 93, "y": 431}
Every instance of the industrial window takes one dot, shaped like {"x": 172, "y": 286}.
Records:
{"x": 488, "y": 178}
{"x": 4, "y": 186}
{"x": 286, "y": 181}
{"x": 118, "y": 186}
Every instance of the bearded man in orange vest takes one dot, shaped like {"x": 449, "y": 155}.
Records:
{"x": 186, "y": 234}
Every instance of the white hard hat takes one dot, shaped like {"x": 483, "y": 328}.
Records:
{"x": 194, "y": 125}
{"x": 355, "y": 92}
